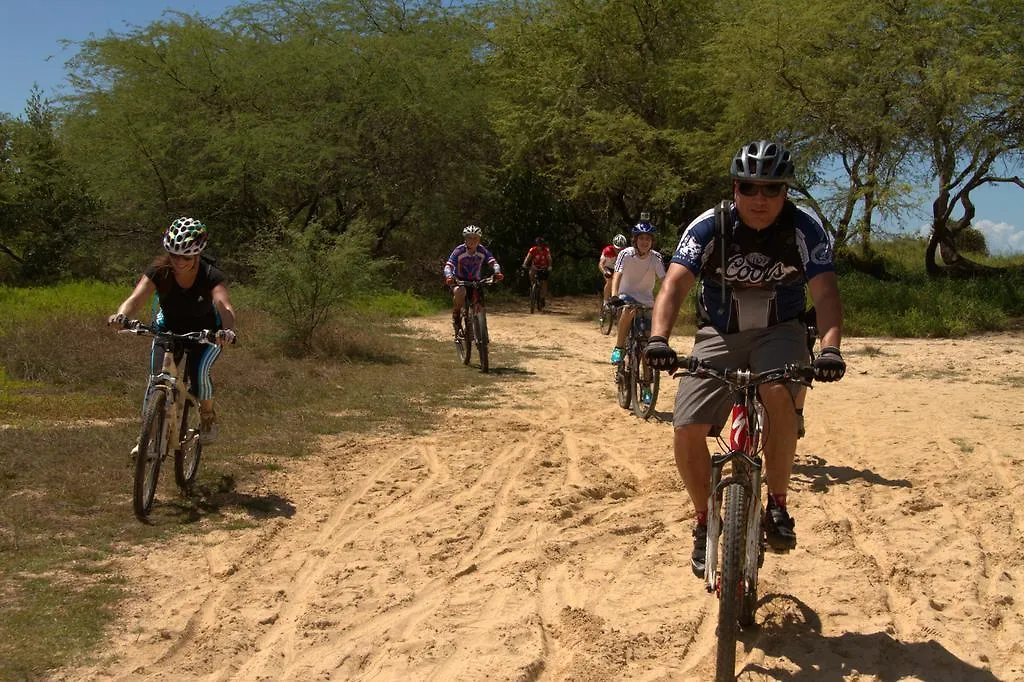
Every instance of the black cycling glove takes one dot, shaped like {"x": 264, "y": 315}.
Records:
{"x": 659, "y": 354}
{"x": 829, "y": 365}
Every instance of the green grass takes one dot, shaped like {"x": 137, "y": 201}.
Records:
{"x": 70, "y": 394}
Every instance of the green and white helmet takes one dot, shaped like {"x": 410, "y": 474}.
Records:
{"x": 186, "y": 237}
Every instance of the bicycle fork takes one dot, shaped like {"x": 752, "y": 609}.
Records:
{"x": 746, "y": 472}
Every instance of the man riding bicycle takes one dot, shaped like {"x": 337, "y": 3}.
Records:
{"x": 636, "y": 271}
{"x": 538, "y": 259}
{"x": 749, "y": 316}
{"x": 466, "y": 263}
{"x": 193, "y": 296}
{"x": 606, "y": 263}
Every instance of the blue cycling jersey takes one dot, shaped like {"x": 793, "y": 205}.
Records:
{"x": 766, "y": 271}
{"x": 468, "y": 266}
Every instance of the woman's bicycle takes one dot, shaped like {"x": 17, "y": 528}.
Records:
{"x": 736, "y": 539}
{"x": 636, "y": 382}
{"x": 473, "y": 323}
{"x": 171, "y": 419}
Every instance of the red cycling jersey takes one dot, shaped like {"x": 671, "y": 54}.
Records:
{"x": 539, "y": 256}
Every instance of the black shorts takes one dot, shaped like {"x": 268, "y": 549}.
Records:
{"x": 542, "y": 273}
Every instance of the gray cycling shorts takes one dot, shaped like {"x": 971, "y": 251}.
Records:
{"x": 708, "y": 401}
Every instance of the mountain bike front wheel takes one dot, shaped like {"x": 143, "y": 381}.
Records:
{"x": 730, "y": 589}
{"x": 607, "y": 318}
{"x": 482, "y": 341}
{"x": 534, "y": 297}
{"x": 645, "y": 392}
{"x": 188, "y": 449}
{"x": 151, "y": 450}
{"x": 464, "y": 339}
{"x": 624, "y": 383}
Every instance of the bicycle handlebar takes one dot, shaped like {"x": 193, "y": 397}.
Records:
{"x": 740, "y": 378}
{"x": 140, "y": 328}
{"x": 475, "y": 283}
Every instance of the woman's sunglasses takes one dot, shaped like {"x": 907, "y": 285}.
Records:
{"x": 749, "y": 189}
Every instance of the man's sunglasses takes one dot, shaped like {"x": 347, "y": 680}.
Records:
{"x": 749, "y": 189}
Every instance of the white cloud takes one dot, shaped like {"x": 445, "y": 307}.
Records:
{"x": 1002, "y": 238}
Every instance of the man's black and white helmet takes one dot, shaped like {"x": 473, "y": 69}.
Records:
{"x": 763, "y": 161}
{"x": 472, "y": 230}
{"x": 620, "y": 241}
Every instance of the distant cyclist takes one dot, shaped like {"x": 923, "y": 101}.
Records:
{"x": 606, "y": 263}
{"x": 637, "y": 269}
{"x": 538, "y": 259}
{"x": 466, "y": 263}
{"x": 193, "y": 296}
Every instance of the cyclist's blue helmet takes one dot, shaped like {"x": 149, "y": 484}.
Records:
{"x": 643, "y": 227}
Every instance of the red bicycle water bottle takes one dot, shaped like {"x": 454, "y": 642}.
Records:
{"x": 739, "y": 432}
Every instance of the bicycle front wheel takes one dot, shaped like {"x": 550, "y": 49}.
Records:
{"x": 482, "y": 341}
{"x": 151, "y": 450}
{"x": 624, "y": 383}
{"x": 534, "y": 298}
{"x": 645, "y": 393}
{"x": 607, "y": 319}
{"x": 464, "y": 339}
{"x": 730, "y": 589}
{"x": 189, "y": 449}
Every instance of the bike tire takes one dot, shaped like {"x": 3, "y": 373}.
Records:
{"x": 189, "y": 450}
{"x": 730, "y": 591}
{"x": 607, "y": 319}
{"x": 534, "y": 298}
{"x": 482, "y": 342}
{"x": 625, "y": 385}
{"x": 464, "y": 339}
{"x": 647, "y": 378}
{"x": 151, "y": 450}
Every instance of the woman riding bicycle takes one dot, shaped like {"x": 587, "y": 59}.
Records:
{"x": 193, "y": 296}
{"x": 636, "y": 271}
{"x": 466, "y": 263}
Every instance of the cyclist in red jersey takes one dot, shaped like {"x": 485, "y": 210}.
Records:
{"x": 538, "y": 259}
{"x": 606, "y": 263}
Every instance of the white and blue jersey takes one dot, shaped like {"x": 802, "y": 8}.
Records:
{"x": 469, "y": 266}
{"x": 766, "y": 271}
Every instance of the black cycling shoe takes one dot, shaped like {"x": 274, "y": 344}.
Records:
{"x": 778, "y": 528}
{"x": 700, "y": 547}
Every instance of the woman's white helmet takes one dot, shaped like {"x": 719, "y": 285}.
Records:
{"x": 185, "y": 237}
{"x": 472, "y": 230}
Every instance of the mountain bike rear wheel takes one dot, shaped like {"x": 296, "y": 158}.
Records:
{"x": 188, "y": 449}
{"x": 730, "y": 589}
{"x": 151, "y": 451}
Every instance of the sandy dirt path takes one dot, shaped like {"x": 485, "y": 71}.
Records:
{"x": 543, "y": 534}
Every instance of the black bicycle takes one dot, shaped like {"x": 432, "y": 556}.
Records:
{"x": 635, "y": 381}
{"x": 171, "y": 419}
{"x": 537, "y": 301}
{"x": 473, "y": 323}
{"x": 736, "y": 539}
{"x": 609, "y": 317}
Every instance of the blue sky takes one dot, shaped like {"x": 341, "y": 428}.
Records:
{"x": 31, "y": 53}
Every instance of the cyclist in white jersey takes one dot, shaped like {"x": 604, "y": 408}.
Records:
{"x": 636, "y": 272}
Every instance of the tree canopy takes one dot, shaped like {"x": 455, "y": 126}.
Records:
{"x": 558, "y": 117}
